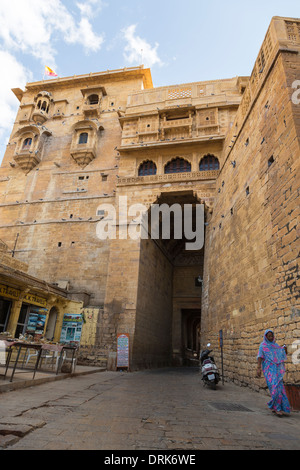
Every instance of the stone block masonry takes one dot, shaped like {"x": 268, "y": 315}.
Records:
{"x": 231, "y": 145}
{"x": 254, "y": 228}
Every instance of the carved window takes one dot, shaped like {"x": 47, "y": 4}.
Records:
{"x": 43, "y": 103}
{"x": 178, "y": 165}
{"x": 93, "y": 99}
{"x": 83, "y": 138}
{"x": 147, "y": 168}
{"x": 209, "y": 162}
{"x": 27, "y": 143}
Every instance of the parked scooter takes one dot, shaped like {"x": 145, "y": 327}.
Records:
{"x": 210, "y": 373}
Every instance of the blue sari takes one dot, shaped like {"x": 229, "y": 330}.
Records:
{"x": 273, "y": 357}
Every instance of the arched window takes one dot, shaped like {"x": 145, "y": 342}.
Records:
{"x": 44, "y": 106}
{"x": 39, "y": 104}
{"x": 178, "y": 165}
{"x": 209, "y": 162}
{"x": 27, "y": 143}
{"x": 83, "y": 138}
{"x": 93, "y": 99}
{"x": 147, "y": 168}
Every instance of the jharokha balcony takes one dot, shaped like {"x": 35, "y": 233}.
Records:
{"x": 169, "y": 116}
{"x": 27, "y": 159}
{"x": 83, "y": 154}
{"x": 150, "y": 179}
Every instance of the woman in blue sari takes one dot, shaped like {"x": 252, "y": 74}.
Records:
{"x": 271, "y": 359}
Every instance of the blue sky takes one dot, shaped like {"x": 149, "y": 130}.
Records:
{"x": 181, "y": 41}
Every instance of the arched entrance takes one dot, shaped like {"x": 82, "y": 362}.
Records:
{"x": 168, "y": 309}
{"x": 50, "y": 329}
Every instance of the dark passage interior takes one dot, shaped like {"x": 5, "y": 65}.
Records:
{"x": 168, "y": 309}
{"x": 191, "y": 323}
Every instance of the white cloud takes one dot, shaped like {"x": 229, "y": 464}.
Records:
{"x": 91, "y": 7}
{"x": 32, "y": 26}
{"x": 86, "y": 36}
{"x": 14, "y": 75}
{"x": 138, "y": 50}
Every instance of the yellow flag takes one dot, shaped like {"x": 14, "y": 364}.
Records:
{"x": 50, "y": 72}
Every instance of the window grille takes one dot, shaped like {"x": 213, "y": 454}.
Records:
{"x": 147, "y": 168}
{"x": 93, "y": 99}
{"x": 83, "y": 138}
{"x": 209, "y": 162}
{"x": 178, "y": 165}
{"x": 176, "y": 93}
{"x": 27, "y": 143}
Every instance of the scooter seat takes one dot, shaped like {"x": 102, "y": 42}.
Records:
{"x": 207, "y": 361}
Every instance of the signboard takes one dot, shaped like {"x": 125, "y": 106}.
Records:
{"x": 36, "y": 322}
{"x": 123, "y": 351}
{"x": 14, "y": 294}
{"x": 35, "y": 300}
{"x": 221, "y": 338}
{"x": 9, "y": 292}
{"x": 71, "y": 328}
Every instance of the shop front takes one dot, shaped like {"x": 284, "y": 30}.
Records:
{"x": 22, "y": 314}
{"x": 35, "y": 310}
{"x": 5, "y": 306}
{"x": 7, "y": 296}
{"x": 36, "y": 331}
{"x": 31, "y": 322}
{"x": 40, "y": 323}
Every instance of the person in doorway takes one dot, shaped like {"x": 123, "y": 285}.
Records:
{"x": 271, "y": 359}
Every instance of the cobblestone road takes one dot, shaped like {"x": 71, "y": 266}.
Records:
{"x": 163, "y": 410}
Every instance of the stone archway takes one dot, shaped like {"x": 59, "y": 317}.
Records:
{"x": 167, "y": 283}
{"x": 150, "y": 280}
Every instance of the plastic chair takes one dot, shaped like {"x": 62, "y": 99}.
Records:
{"x": 57, "y": 356}
{"x": 35, "y": 354}
{"x": 73, "y": 361}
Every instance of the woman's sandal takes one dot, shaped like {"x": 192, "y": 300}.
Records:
{"x": 277, "y": 413}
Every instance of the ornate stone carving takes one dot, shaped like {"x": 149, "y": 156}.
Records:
{"x": 29, "y": 146}
{"x": 84, "y": 142}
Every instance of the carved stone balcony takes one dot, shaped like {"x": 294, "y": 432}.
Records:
{"x": 83, "y": 154}
{"x": 39, "y": 116}
{"x": 177, "y": 123}
{"x": 30, "y": 141}
{"x": 173, "y": 125}
{"x": 168, "y": 178}
{"x": 91, "y": 110}
{"x": 27, "y": 160}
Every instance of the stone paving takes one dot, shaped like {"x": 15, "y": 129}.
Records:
{"x": 158, "y": 410}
